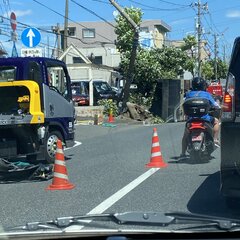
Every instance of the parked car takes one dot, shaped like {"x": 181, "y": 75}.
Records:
{"x": 101, "y": 90}
{"x": 230, "y": 131}
{"x": 80, "y": 94}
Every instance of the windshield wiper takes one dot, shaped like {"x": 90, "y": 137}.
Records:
{"x": 137, "y": 218}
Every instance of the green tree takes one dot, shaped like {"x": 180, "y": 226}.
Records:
{"x": 172, "y": 61}
{"x": 222, "y": 68}
{"x": 208, "y": 69}
{"x": 124, "y": 31}
{"x": 189, "y": 46}
{"x": 150, "y": 64}
{"x": 146, "y": 70}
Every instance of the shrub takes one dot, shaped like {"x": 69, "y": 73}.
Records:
{"x": 109, "y": 104}
{"x": 140, "y": 99}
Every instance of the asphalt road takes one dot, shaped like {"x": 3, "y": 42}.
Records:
{"x": 109, "y": 173}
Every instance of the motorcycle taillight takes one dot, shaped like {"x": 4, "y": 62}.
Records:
{"x": 196, "y": 125}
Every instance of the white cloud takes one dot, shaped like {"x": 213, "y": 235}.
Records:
{"x": 16, "y": 3}
{"x": 20, "y": 13}
{"x": 178, "y": 22}
{"x": 233, "y": 14}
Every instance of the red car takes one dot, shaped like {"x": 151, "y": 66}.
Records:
{"x": 81, "y": 98}
{"x": 101, "y": 90}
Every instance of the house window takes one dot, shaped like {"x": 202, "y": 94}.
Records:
{"x": 88, "y": 33}
{"x": 144, "y": 29}
{"x": 97, "y": 60}
{"x": 78, "y": 60}
{"x": 71, "y": 31}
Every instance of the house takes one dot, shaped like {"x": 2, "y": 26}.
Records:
{"x": 204, "y": 53}
{"x": 96, "y": 41}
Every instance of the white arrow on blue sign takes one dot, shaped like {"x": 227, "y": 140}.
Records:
{"x": 31, "y": 37}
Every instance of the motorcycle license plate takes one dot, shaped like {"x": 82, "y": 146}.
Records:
{"x": 197, "y": 138}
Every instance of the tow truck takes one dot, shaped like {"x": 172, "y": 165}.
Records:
{"x": 36, "y": 108}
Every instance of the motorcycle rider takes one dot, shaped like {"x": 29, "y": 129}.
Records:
{"x": 199, "y": 86}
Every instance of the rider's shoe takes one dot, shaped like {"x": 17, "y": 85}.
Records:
{"x": 216, "y": 143}
{"x": 182, "y": 156}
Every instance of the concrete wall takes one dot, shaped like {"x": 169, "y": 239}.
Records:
{"x": 88, "y": 112}
{"x": 167, "y": 97}
{"x": 78, "y": 73}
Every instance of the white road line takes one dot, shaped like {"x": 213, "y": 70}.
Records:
{"x": 116, "y": 197}
{"x": 122, "y": 192}
{"x": 75, "y": 145}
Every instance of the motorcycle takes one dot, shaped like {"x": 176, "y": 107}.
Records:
{"x": 200, "y": 139}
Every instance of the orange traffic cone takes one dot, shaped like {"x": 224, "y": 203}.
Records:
{"x": 110, "y": 117}
{"x": 60, "y": 177}
{"x": 156, "y": 155}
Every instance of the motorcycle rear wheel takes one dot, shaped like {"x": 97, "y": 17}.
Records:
{"x": 196, "y": 156}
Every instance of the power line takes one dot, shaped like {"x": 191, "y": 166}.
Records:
{"x": 209, "y": 46}
{"x": 46, "y": 31}
{"x": 94, "y": 13}
{"x": 158, "y": 9}
{"x": 72, "y": 21}
{"x": 49, "y": 32}
{"x": 175, "y": 4}
{"x": 101, "y": 1}
{"x": 7, "y": 7}
{"x": 2, "y": 9}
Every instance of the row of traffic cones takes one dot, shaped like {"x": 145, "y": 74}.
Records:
{"x": 60, "y": 176}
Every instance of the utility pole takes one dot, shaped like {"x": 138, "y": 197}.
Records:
{"x": 199, "y": 31}
{"x": 126, "y": 90}
{"x": 224, "y": 53}
{"x": 65, "y": 28}
{"x": 56, "y": 30}
{"x": 58, "y": 40}
{"x": 216, "y": 52}
{"x": 215, "y": 55}
{"x": 200, "y": 7}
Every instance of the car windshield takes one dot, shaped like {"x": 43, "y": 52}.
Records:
{"x": 79, "y": 88}
{"x": 102, "y": 86}
{"x": 7, "y": 73}
{"x": 75, "y": 91}
{"x": 119, "y": 117}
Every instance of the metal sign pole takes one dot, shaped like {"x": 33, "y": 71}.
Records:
{"x": 13, "y": 23}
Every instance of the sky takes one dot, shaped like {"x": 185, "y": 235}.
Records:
{"x": 218, "y": 17}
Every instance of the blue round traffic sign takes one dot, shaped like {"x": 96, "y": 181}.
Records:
{"x": 31, "y": 37}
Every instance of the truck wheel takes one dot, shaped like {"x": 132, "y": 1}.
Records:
{"x": 51, "y": 145}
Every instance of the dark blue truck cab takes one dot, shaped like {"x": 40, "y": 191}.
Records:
{"x": 36, "y": 107}
{"x": 230, "y": 130}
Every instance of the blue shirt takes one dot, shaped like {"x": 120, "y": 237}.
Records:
{"x": 203, "y": 94}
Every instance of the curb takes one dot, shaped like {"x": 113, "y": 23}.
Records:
{"x": 90, "y": 121}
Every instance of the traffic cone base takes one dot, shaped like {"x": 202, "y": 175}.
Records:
{"x": 157, "y": 164}
{"x": 60, "y": 177}
{"x": 110, "y": 118}
{"x": 156, "y": 155}
{"x": 65, "y": 186}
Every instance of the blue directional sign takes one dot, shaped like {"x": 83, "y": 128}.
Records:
{"x": 31, "y": 37}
